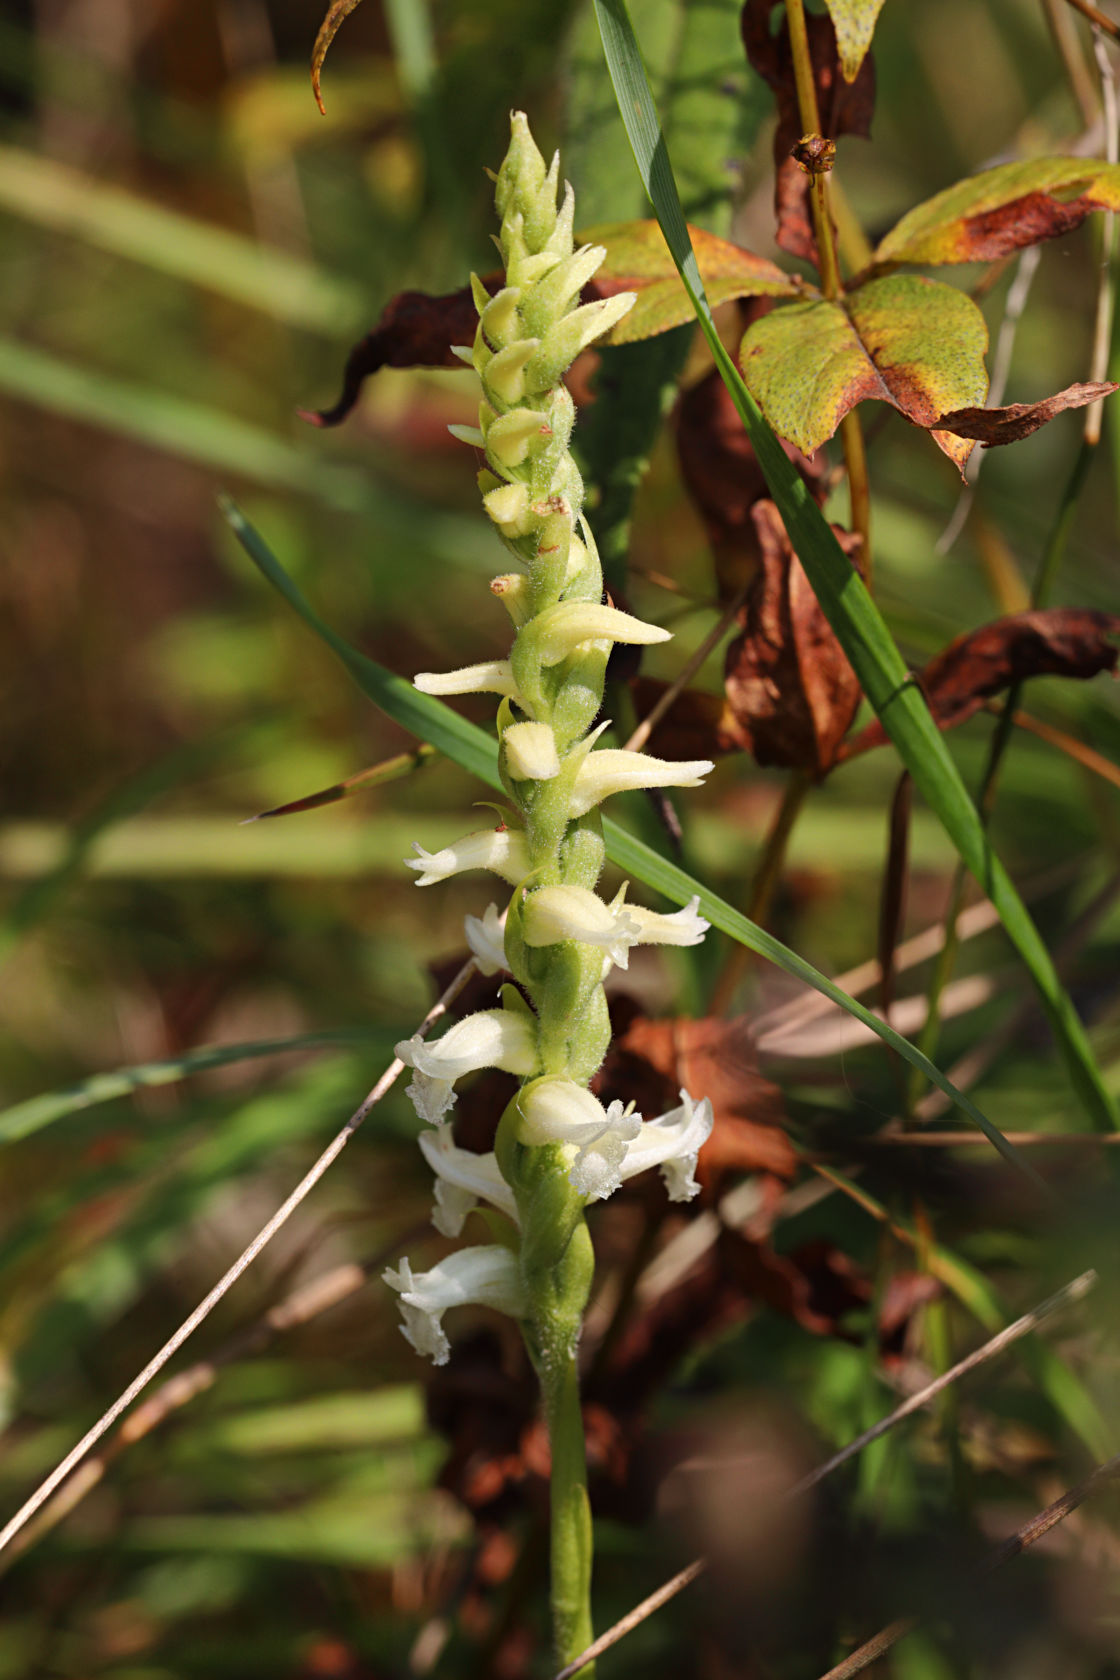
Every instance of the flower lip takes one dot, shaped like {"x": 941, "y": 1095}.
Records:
{"x": 487, "y": 1275}
{"x": 462, "y": 1180}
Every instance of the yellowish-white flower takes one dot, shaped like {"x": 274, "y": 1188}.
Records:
{"x": 555, "y": 913}
{"x": 594, "y": 1138}
{"x": 502, "y": 850}
{"x": 614, "y": 770}
{"x": 559, "y": 630}
{"x": 486, "y": 1276}
{"x": 498, "y": 1038}
{"x": 672, "y": 1142}
{"x": 486, "y": 939}
{"x": 463, "y": 1179}
{"x": 531, "y": 752}
{"x": 492, "y": 676}
{"x": 680, "y": 927}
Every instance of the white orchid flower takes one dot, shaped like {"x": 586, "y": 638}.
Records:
{"x": 490, "y": 1038}
{"x": 463, "y": 1179}
{"x": 681, "y": 927}
{"x": 556, "y": 913}
{"x": 672, "y": 1142}
{"x": 596, "y": 1139}
{"x": 613, "y": 770}
{"x": 486, "y": 1275}
{"x": 501, "y": 849}
{"x": 486, "y": 937}
{"x": 492, "y": 676}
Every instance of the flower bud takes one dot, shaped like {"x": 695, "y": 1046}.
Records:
{"x": 511, "y": 437}
{"x": 513, "y": 591}
{"x": 530, "y": 750}
{"x": 505, "y": 373}
{"x": 501, "y": 322}
{"x": 508, "y": 507}
{"x": 563, "y": 341}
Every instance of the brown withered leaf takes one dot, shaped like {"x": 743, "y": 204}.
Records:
{"x": 649, "y": 1061}
{"x": 337, "y": 13}
{"x": 1056, "y": 642}
{"x": 992, "y": 426}
{"x": 845, "y": 108}
{"x": 722, "y": 475}
{"x": 791, "y": 694}
{"x": 415, "y": 329}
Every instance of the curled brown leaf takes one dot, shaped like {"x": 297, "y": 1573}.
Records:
{"x": 993, "y": 426}
{"x": 1059, "y": 641}
{"x": 791, "y": 693}
{"x": 328, "y": 29}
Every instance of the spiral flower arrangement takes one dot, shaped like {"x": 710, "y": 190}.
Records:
{"x": 557, "y": 1148}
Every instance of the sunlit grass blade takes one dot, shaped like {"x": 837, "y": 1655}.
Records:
{"x": 403, "y": 764}
{"x": 844, "y": 599}
{"x": 23, "y": 1118}
{"x": 464, "y": 742}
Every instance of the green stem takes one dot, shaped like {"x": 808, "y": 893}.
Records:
{"x": 570, "y": 1515}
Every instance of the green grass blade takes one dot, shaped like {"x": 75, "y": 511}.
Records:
{"x": 23, "y": 1118}
{"x": 844, "y": 599}
{"x": 474, "y": 750}
{"x": 421, "y": 714}
{"x": 109, "y": 217}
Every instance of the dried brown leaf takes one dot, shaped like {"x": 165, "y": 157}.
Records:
{"x": 791, "y": 693}
{"x": 1057, "y": 642}
{"x": 992, "y": 426}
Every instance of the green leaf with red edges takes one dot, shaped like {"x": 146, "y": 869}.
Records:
{"x": 638, "y": 260}
{"x": 916, "y": 344}
{"x": 854, "y": 22}
{"x": 1002, "y": 210}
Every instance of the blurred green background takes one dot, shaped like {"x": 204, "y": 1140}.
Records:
{"x": 187, "y": 251}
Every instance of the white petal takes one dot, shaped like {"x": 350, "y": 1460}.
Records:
{"x": 672, "y": 1142}
{"x": 486, "y": 939}
{"x": 486, "y": 1275}
{"x": 493, "y": 676}
{"x": 462, "y": 1179}
{"x": 501, "y": 849}
{"x": 682, "y": 927}
{"x": 613, "y": 770}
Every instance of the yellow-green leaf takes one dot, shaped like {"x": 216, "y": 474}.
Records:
{"x": 914, "y": 343}
{"x": 854, "y": 22}
{"x": 1002, "y": 210}
{"x": 638, "y": 260}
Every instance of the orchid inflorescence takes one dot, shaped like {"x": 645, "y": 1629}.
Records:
{"x": 558, "y": 1148}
